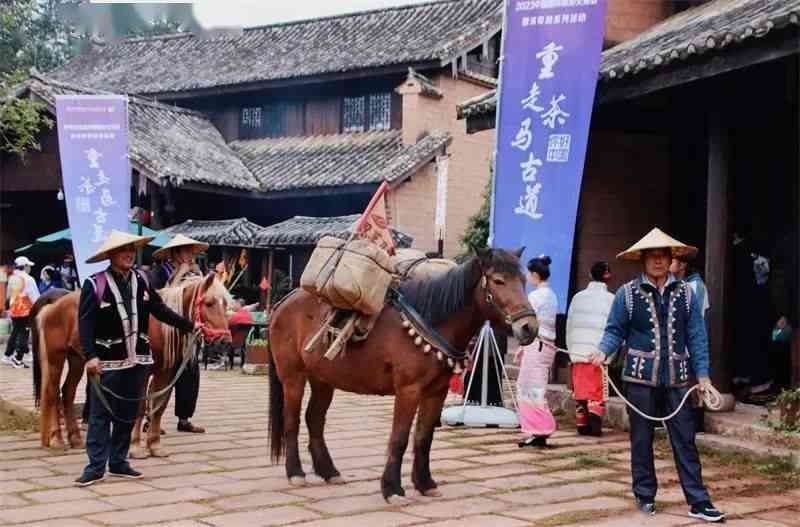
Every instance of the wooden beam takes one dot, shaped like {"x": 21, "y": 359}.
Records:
{"x": 269, "y": 280}
{"x": 715, "y": 62}
{"x": 718, "y": 264}
{"x": 480, "y": 123}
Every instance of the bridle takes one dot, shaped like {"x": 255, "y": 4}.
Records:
{"x": 209, "y": 334}
{"x": 508, "y": 318}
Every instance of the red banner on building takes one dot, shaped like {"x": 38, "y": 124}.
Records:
{"x": 373, "y": 224}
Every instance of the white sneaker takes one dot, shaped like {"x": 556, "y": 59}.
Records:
{"x": 7, "y": 360}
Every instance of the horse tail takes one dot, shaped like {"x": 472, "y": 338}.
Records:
{"x": 37, "y": 340}
{"x": 275, "y": 425}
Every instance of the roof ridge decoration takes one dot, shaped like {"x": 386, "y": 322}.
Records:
{"x": 716, "y": 25}
{"x": 426, "y": 85}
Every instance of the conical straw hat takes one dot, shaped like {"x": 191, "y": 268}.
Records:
{"x": 116, "y": 240}
{"x": 180, "y": 241}
{"x": 657, "y": 239}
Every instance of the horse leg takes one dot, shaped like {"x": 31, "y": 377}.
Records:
{"x": 136, "y": 451}
{"x": 68, "y": 390}
{"x": 430, "y": 410}
{"x": 157, "y": 408}
{"x": 293, "y": 389}
{"x": 321, "y": 397}
{"x": 51, "y": 427}
{"x": 405, "y": 406}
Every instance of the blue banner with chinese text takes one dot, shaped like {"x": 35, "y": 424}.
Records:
{"x": 551, "y": 57}
{"x": 93, "y": 146}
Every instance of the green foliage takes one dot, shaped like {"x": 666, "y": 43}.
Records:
{"x": 787, "y": 406}
{"x": 21, "y": 119}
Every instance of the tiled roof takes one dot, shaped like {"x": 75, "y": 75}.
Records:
{"x": 428, "y": 88}
{"x": 433, "y": 33}
{"x": 708, "y": 28}
{"x": 238, "y": 232}
{"x": 305, "y": 231}
{"x": 167, "y": 142}
{"x": 293, "y": 163}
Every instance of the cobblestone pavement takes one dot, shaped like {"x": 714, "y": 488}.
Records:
{"x": 224, "y": 478}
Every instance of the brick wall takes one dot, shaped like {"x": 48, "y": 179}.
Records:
{"x": 413, "y": 208}
{"x": 468, "y": 169}
{"x": 628, "y": 18}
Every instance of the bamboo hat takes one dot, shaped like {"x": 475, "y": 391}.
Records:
{"x": 180, "y": 241}
{"x": 117, "y": 240}
{"x": 657, "y": 239}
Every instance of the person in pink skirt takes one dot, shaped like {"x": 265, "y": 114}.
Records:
{"x": 536, "y": 359}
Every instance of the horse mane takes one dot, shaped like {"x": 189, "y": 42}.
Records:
{"x": 439, "y": 297}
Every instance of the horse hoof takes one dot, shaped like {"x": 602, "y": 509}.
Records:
{"x": 76, "y": 443}
{"x": 397, "y": 500}
{"x": 58, "y": 445}
{"x": 432, "y": 493}
{"x": 297, "y": 481}
{"x": 335, "y": 480}
{"x": 159, "y": 452}
{"x": 137, "y": 453}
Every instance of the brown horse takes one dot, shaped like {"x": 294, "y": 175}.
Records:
{"x": 490, "y": 286}
{"x": 56, "y": 341}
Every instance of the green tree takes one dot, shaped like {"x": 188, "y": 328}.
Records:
{"x": 31, "y": 36}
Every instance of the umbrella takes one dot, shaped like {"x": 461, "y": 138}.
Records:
{"x": 61, "y": 241}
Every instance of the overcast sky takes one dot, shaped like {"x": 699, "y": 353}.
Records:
{"x": 246, "y": 13}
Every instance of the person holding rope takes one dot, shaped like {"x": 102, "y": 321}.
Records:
{"x": 178, "y": 257}
{"x": 113, "y": 317}
{"x": 660, "y": 319}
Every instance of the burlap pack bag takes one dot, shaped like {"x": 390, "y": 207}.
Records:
{"x": 351, "y": 275}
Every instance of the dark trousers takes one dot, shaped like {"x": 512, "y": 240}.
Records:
{"x": 187, "y": 388}
{"x": 681, "y": 430}
{"x": 108, "y": 439}
{"x": 18, "y": 340}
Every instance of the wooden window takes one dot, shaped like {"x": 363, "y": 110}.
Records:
{"x": 353, "y": 114}
{"x": 323, "y": 115}
{"x": 251, "y": 122}
{"x": 380, "y": 111}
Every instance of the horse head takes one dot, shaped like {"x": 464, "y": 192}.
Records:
{"x": 501, "y": 293}
{"x": 209, "y": 309}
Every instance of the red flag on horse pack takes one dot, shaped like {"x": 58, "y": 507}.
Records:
{"x": 373, "y": 225}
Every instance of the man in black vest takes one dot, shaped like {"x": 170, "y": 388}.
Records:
{"x": 115, "y": 308}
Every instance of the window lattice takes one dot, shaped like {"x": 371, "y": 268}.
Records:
{"x": 353, "y": 114}
{"x": 380, "y": 111}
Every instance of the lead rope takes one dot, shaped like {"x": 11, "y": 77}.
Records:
{"x": 711, "y": 397}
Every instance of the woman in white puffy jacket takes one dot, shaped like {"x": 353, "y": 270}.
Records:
{"x": 586, "y": 321}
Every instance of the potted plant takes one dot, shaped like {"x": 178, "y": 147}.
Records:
{"x": 787, "y": 405}
{"x": 256, "y": 354}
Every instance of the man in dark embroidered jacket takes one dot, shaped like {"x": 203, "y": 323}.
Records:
{"x": 115, "y": 308}
{"x": 661, "y": 321}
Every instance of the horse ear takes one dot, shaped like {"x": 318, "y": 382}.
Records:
{"x": 208, "y": 281}
{"x": 518, "y": 252}
{"x": 484, "y": 255}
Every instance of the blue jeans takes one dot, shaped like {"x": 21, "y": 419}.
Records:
{"x": 108, "y": 439}
{"x": 681, "y": 430}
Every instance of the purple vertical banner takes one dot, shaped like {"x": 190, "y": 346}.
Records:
{"x": 93, "y": 146}
{"x": 551, "y": 56}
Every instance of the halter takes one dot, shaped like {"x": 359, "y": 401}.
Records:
{"x": 209, "y": 334}
{"x": 509, "y": 318}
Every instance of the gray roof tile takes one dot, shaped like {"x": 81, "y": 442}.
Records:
{"x": 293, "y": 163}
{"x": 307, "y": 231}
{"x": 434, "y": 32}
{"x": 167, "y": 142}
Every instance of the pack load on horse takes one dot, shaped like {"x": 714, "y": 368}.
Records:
{"x": 56, "y": 340}
{"x": 416, "y": 340}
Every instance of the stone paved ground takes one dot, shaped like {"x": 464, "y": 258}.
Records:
{"x": 224, "y": 478}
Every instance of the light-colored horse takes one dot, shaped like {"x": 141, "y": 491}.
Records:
{"x": 56, "y": 341}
